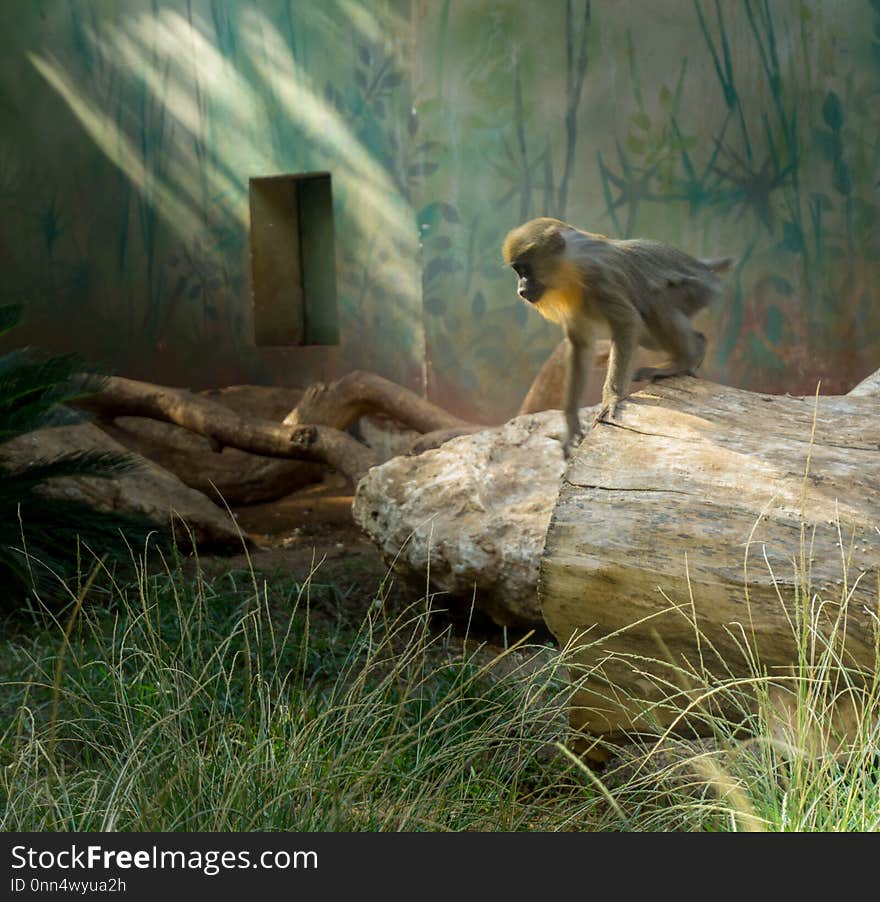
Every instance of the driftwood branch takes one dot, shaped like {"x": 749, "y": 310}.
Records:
{"x": 357, "y": 394}
{"x": 127, "y": 397}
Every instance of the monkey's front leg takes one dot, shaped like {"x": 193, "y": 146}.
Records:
{"x": 578, "y": 358}
{"x": 624, "y": 342}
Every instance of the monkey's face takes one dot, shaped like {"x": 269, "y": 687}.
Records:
{"x": 529, "y": 287}
{"x": 535, "y": 250}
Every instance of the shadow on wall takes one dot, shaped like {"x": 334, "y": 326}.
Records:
{"x": 188, "y": 110}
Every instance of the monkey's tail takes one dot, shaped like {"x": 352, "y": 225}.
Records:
{"x": 719, "y": 264}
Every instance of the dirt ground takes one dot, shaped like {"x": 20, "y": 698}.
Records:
{"x": 311, "y": 528}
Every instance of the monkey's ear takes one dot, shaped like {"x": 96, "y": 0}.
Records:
{"x": 553, "y": 241}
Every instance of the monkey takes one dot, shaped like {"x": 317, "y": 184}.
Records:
{"x": 644, "y": 292}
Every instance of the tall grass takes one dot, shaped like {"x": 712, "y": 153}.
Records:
{"x": 198, "y": 704}
{"x": 178, "y": 701}
{"x": 771, "y": 748}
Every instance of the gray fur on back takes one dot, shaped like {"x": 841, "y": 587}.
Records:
{"x": 644, "y": 269}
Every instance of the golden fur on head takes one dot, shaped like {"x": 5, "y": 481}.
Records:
{"x": 540, "y": 243}
{"x": 538, "y": 236}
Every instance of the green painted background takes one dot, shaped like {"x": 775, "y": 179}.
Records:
{"x": 128, "y": 132}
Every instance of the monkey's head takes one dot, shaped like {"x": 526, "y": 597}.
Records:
{"x": 534, "y": 250}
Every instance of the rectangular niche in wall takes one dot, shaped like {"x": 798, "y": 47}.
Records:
{"x": 293, "y": 260}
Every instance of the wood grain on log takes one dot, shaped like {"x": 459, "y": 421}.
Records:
{"x": 664, "y": 516}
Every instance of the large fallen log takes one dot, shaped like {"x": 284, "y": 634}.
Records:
{"x": 664, "y": 517}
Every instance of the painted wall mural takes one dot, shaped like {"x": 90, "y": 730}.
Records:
{"x": 130, "y": 129}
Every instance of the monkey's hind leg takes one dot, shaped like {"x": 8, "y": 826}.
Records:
{"x": 689, "y": 354}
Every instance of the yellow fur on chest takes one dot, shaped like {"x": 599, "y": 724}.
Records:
{"x": 566, "y": 296}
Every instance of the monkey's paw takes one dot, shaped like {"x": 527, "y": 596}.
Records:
{"x": 573, "y": 438}
{"x": 608, "y": 412}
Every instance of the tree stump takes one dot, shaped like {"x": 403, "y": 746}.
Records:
{"x": 666, "y": 515}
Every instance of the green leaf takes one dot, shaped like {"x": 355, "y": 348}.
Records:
{"x": 832, "y": 111}
{"x": 10, "y": 316}
{"x": 641, "y": 120}
{"x": 96, "y": 464}
{"x": 665, "y": 98}
{"x": 429, "y": 215}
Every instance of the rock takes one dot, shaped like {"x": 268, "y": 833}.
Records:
{"x": 148, "y": 491}
{"x": 239, "y": 477}
{"x": 472, "y": 514}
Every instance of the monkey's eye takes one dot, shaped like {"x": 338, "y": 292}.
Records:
{"x": 523, "y": 270}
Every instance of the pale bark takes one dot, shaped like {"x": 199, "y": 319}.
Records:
{"x": 346, "y": 400}
{"x": 665, "y": 515}
{"x": 127, "y": 397}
